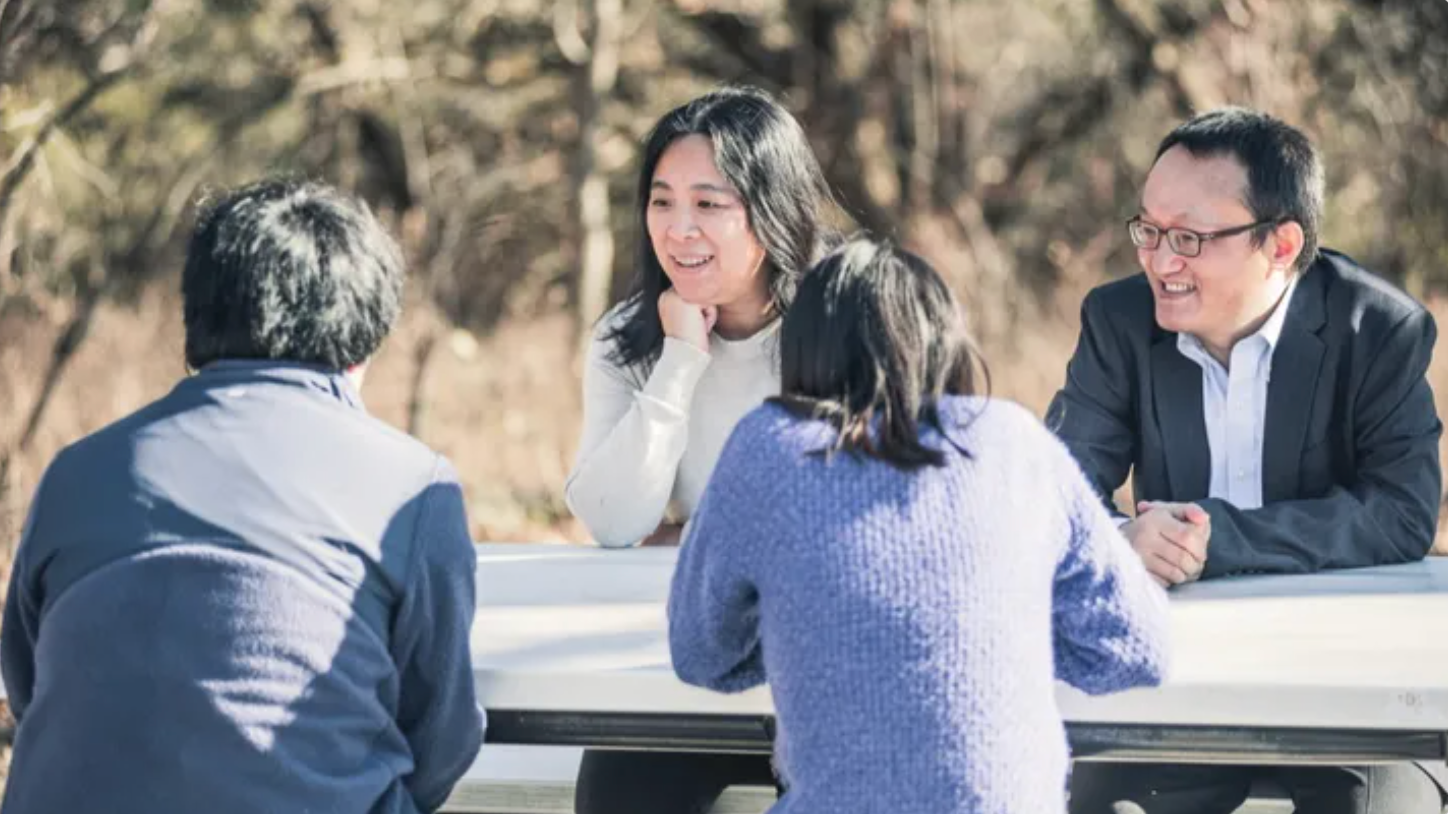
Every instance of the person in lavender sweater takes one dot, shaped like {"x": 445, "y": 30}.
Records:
{"x": 909, "y": 565}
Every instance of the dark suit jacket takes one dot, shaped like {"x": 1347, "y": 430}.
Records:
{"x": 1350, "y": 472}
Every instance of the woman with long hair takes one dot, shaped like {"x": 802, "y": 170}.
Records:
{"x": 908, "y": 563}
{"x": 732, "y": 208}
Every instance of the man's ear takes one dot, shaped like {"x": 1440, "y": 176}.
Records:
{"x": 1285, "y": 244}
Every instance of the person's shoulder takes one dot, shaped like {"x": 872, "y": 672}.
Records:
{"x": 1005, "y": 424}
{"x": 769, "y": 424}
{"x": 403, "y": 472}
{"x": 1359, "y": 296}
{"x": 102, "y": 460}
{"x": 993, "y": 418}
{"x": 772, "y": 433}
{"x": 398, "y": 445}
{"x": 92, "y": 455}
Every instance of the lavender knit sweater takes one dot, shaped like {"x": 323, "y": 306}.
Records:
{"x": 910, "y": 625}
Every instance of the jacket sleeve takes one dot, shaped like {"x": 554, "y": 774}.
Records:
{"x": 632, "y": 441}
{"x": 714, "y": 635}
{"x": 438, "y": 710}
{"x": 1094, "y": 414}
{"x": 1388, "y": 512}
{"x": 20, "y": 631}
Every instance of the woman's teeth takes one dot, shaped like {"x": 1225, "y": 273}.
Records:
{"x": 692, "y": 262}
{"x": 1178, "y": 288}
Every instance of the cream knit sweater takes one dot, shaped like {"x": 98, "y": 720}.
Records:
{"x": 651, "y": 436}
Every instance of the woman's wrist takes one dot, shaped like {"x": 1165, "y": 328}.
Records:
{"x": 680, "y": 366}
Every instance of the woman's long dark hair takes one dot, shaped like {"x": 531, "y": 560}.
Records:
{"x": 872, "y": 343}
{"x": 763, "y": 153}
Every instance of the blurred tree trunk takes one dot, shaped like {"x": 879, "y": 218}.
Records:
{"x": 18, "y": 23}
{"x": 595, "y": 75}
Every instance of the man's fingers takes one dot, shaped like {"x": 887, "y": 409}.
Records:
{"x": 1165, "y": 569}
{"x": 1189, "y": 538}
{"x": 1171, "y": 543}
{"x": 1188, "y": 553}
{"x": 1192, "y": 513}
{"x": 1182, "y": 560}
{"x": 1154, "y": 544}
{"x": 1185, "y": 512}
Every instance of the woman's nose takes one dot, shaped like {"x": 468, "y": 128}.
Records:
{"x": 682, "y": 223}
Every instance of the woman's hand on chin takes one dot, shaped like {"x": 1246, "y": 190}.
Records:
{"x": 685, "y": 321}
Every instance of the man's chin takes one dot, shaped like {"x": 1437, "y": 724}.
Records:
{"x": 1170, "y": 320}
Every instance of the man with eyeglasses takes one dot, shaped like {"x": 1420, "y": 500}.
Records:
{"x": 1269, "y": 400}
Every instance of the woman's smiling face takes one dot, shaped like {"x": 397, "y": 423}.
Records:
{"x": 699, "y": 228}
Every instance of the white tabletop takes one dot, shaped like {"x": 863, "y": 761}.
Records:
{"x": 570, "y": 628}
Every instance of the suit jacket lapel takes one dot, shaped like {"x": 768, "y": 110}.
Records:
{"x": 1177, "y": 395}
{"x": 1296, "y": 363}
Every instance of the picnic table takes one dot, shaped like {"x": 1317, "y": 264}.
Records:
{"x": 570, "y": 651}
{"x": 1345, "y": 667}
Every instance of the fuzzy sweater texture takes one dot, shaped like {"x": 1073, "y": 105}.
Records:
{"x": 911, "y": 625}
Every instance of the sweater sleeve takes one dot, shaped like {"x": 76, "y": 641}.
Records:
{"x": 1111, "y": 622}
{"x": 632, "y": 441}
{"x": 714, "y": 635}
{"x": 438, "y": 710}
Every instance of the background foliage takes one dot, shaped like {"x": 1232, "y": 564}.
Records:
{"x": 498, "y": 139}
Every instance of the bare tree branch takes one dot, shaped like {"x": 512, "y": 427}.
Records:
{"x": 734, "y": 35}
{"x": 594, "y": 84}
{"x": 25, "y": 160}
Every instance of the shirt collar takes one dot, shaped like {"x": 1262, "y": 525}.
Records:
{"x": 1271, "y": 330}
{"x": 233, "y": 372}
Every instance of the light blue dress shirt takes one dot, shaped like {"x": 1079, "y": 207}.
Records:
{"x": 1234, "y": 404}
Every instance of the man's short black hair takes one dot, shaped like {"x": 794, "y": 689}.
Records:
{"x": 1284, "y": 173}
{"x": 293, "y": 271}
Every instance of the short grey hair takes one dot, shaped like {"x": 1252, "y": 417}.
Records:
{"x": 289, "y": 270}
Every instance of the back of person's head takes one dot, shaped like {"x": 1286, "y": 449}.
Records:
{"x": 873, "y": 342}
{"x": 291, "y": 271}
{"x": 1284, "y": 173}
{"x": 762, "y": 151}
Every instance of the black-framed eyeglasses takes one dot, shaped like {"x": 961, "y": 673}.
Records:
{"x": 1184, "y": 242}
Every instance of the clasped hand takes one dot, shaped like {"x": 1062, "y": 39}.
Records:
{"x": 1171, "y": 539}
